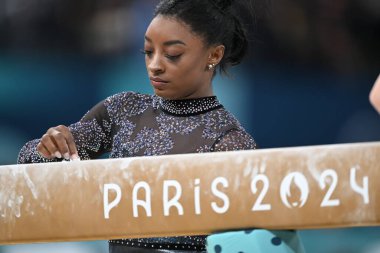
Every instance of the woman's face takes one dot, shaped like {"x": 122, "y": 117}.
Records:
{"x": 176, "y": 60}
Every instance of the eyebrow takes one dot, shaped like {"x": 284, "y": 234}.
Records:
{"x": 169, "y": 42}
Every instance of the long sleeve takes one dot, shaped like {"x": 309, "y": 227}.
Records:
{"x": 92, "y": 135}
{"x": 29, "y": 154}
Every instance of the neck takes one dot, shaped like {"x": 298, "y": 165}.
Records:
{"x": 190, "y": 106}
{"x": 205, "y": 92}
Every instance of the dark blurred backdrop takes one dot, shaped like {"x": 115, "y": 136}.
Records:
{"x": 305, "y": 82}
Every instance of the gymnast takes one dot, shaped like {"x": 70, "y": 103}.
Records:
{"x": 185, "y": 45}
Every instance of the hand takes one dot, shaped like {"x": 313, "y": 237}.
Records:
{"x": 374, "y": 96}
{"x": 58, "y": 142}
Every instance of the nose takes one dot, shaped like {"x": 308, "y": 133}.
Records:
{"x": 155, "y": 64}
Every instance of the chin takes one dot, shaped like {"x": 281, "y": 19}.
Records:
{"x": 164, "y": 94}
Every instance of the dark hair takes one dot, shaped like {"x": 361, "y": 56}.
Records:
{"x": 215, "y": 21}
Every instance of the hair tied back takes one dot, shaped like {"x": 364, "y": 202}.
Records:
{"x": 222, "y": 4}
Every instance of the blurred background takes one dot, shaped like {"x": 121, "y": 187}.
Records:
{"x": 305, "y": 82}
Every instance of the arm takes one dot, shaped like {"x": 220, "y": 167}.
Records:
{"x": 88, "y": 139}
{"x": 234, "y": 139}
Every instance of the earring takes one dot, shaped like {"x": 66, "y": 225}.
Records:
{"x": 211, "y": 66}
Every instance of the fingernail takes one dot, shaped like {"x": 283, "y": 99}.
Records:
{"x": 57, "y": 154}
{"x": 66, "y": 156}
{"x": 75, "y": 157}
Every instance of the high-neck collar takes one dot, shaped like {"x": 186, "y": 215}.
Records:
{"x": 188, "y": 107}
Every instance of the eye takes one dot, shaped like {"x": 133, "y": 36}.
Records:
{"x": 173, "y": 57}
{"x": 146, "y": 52}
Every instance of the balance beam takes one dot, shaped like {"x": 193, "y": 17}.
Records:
{"x": 286, "y": 188}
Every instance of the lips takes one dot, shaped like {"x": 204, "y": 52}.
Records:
{"x": 158, "y": 82}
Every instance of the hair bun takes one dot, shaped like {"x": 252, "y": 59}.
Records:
{"x": 223, "y": 4}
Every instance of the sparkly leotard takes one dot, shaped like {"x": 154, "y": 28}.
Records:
{"x": 132, "y": 124}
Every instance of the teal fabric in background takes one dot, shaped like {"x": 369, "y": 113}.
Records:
{"x": 63, "y": 247}
{"x": 256, "y": 240}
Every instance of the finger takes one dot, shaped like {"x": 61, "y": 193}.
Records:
{"x": 73, "y": 152}
{"x": 61, "y": 143}
{"x": 50, "y": 146}
{"x": 72, "y": 147}
{"x": 43, "y": 151}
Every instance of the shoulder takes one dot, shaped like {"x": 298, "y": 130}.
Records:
{"x": 235, "y": 137}
{"x": 128, "y": 96}
{"x": 129, "y": 103}
{"x": 228, "y": 119}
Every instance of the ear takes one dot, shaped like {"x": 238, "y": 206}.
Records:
{"x": 216, "y": 54}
